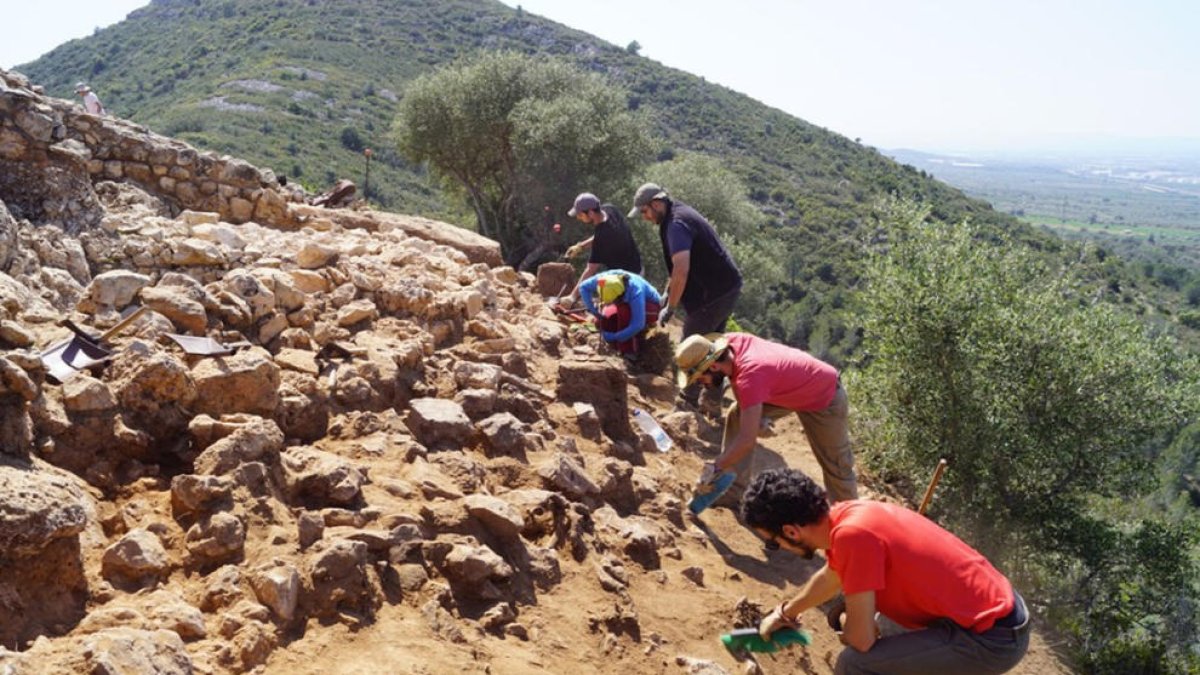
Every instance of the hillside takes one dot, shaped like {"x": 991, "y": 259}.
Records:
{"x": 412, "y": 466}
{"x": 302, "y": 87}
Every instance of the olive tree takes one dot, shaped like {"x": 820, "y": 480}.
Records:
{"x": 1050, "y": 407}
{"x": 514, "y": 134}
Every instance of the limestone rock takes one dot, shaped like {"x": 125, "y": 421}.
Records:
{"x": 278, "y": 587}
{"x": 439, "y": 422}
{"x": 217, "y": 538}
{"x": 497, "y": 515}
{"x": 86, "y": 394}
{"x": 187, "y": 314}
{"x": 565, "y": 475}
{"x": 505, "y": 434}
{"x": 115, "y": 289}
{"x": 471, "y": 375}
{"x": 603, "y": 385}
{"x": 38, "y": 507}
{"x": 252, "y": 439}
{"x": 321, "y": 478}
{"x": 138, "y": 554}
{"x": 136, "y": 652}
{"x": 247, "y": 381}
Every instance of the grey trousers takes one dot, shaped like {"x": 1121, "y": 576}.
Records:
{"x": 827, "y": 433}
{"x": 943, "y": 647}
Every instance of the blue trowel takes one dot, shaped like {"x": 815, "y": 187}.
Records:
{"x": 709, "y": 493}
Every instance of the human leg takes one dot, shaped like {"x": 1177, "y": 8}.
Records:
{"x": 752, "y": 464}
{"x": 943, "y": 648}
{"x": 710, "y": 318}
{"x": 615, "y": 317}
{"x": 828, "y": 434}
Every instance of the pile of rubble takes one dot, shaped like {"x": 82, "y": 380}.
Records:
{"x": 410, "y": 425}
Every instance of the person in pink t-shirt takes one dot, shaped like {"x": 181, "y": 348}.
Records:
{"x": 770, "y": 380}
{"x": 963, "y": 615}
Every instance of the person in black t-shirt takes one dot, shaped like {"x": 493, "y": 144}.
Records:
{"x": 612, "y": 243}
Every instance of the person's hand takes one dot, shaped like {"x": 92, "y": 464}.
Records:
{"x": 665, "y": 315}
{"x": 708, "y": 474}
{"x": 573, "y": 251}
{"x": 775, "y": 621}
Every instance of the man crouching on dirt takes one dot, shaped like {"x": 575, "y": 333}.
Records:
{"x": 628, "y": 306}
{"x": 965, "y": 616}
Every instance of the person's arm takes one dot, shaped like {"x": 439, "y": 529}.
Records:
{"x": 681, "y": 262}
{"x": 820, "y": 587}
{"x": 579, "y": 248}
{"x": 590, "y": 271}
{"x": 860, "y": 630}
{"x": 586, "y": 289}
{"x": 747, "y": 435}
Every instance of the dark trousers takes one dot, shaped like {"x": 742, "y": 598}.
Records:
{"x": 944, "y": 647}
{"x": 616, "y": 316}
{"x": 709, "y": 318}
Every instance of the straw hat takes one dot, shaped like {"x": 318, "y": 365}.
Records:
{"x": 695, "y": 354}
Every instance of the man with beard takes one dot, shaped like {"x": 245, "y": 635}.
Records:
{"x": 612, "y": 243}
{"x": 770, "y": 380}
{"x": 963, "y": 615}
{"x": 703, "y": 277}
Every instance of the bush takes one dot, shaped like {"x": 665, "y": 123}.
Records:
{"x": 1048, "y": 408}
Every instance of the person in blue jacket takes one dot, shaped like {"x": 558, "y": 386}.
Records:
{"x": 628, "y": 305}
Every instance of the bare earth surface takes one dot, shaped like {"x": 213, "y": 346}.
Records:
{"x": 680, "y": 622}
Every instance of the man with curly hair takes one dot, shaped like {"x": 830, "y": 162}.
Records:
{"x": 964, "y": 616}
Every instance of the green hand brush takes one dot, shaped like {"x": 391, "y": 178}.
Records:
{"x": 748, "y": 639}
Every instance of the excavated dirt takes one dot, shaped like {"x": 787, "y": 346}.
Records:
{"x": 413, "y": 468}
{"x": 678, "y": 623}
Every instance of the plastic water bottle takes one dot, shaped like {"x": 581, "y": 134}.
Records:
{"x": 647, "y": 424}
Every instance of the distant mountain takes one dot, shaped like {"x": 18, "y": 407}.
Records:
{"x": 303, "y": 86}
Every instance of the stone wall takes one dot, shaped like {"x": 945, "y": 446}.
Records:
{"x": 51, "y": 151}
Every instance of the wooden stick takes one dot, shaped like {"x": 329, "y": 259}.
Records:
{"x": 123, "y": 323}
{"x": 937, "y": 476}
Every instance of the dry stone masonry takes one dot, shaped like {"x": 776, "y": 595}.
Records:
{"x": 409, "y": 426}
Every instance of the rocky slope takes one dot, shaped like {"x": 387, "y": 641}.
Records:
{"x": 413, "y": 468}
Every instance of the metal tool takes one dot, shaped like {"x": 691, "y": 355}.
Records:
{"x": 207, "y": 346}
{"x": 64, "y": 360}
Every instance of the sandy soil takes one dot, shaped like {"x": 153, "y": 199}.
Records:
{"x": 677, "y": 619}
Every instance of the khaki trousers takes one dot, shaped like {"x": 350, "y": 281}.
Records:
{"x": 827, "y": 433}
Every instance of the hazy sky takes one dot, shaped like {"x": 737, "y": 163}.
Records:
{"x": 927, "y": 74}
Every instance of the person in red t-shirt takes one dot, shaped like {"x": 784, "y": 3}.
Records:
{"x": 770, "y": 380}
{"x": 964, "y": 616}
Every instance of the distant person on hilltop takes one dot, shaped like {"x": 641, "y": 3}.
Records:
{"x": 771, "y": 380}
{"x": 963, "y": 615}
{"x": 612, "y": 243}
{"x": 703, "y": 277}
{"x": 91, "y": 102}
